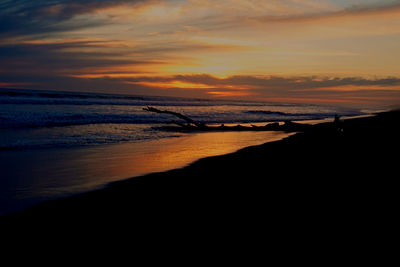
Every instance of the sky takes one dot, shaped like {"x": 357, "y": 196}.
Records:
{"x": 343, "y": 52}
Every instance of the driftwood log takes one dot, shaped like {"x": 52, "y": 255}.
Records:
{"x": 192, "y": 125}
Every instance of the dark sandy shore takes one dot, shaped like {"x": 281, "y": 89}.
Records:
{"x": 331, "y": 172}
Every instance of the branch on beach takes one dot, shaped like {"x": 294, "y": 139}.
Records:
{"x": 190, "y": 122}
{"x": 193, "y": 125}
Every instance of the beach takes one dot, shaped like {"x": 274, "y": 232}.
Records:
{"x": 31, "y": 176}
{"x": 56, "y": 144}
{"x": 346, "y": 168}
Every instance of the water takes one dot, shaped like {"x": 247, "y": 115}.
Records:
{"x": 46, "y": 119}
{"x": 54, "y": 144}
{"x": 34, "y": 175}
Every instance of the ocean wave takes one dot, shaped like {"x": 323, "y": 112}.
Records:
{"x": 33, "y": 109}
{"x": 44, "y": 120}
{"x": 32, "y": 97}
{"x": 32, "y": 119}
{"x": 48, "y": 118}
{"x": 266, "y": 112}
{"x": 311, "y": 115}
{"x": 41, "y": 120}
{"x": 78, "y": 136}
{"x": 95, "y": 101}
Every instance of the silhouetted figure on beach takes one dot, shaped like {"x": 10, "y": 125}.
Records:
{"x": 338, "y": 124}
{"x": 337, "y": 118}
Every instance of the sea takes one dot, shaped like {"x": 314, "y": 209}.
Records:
{"x": 55, "y": 144}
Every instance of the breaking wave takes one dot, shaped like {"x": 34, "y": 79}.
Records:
{"x": 44, "y": 118}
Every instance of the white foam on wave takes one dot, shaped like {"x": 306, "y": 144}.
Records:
{"x": 76, "y": 119}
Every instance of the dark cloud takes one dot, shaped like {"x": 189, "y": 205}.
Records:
{"x": 291, "y": 89}
{"x": 278, "y": 82}
{"x": 25, "y": 62}
{"x": 271, "y": 88}
{"x": 26, "y": 17}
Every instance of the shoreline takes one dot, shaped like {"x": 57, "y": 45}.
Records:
{"x": 321, "y": 168}
{"x": 63, "y": 172}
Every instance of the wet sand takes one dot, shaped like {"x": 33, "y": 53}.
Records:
{"x": 333, "y": 172}
{"x": 36, "y": 175}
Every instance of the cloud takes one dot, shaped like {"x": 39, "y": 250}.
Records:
{"x": 278, "y": 88}
{"x": 95, "y": 57}
{"x": 354, "y": 11}
{"x": 141, "y": 46}
{"x": 22, "y": 17}
{"x": 271, "y": 82}
{"x": 186, "y": 46}
{"x": 61, "y": 9}
{"x": 66, "y": 57}
{"x": 299, "y": 89}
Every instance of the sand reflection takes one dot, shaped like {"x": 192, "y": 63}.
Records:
{"x": 57, "y": 172}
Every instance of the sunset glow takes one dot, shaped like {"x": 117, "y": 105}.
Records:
{"x": 308, "y": 51}
{"x": 173, "y": 84}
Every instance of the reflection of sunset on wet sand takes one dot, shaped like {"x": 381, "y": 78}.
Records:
{"x": 75, "y": 170}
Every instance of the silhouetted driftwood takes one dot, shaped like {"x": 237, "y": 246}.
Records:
{"x": 193, "y": 125}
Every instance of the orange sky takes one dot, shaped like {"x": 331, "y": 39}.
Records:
{"x": 324, "y": 51}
